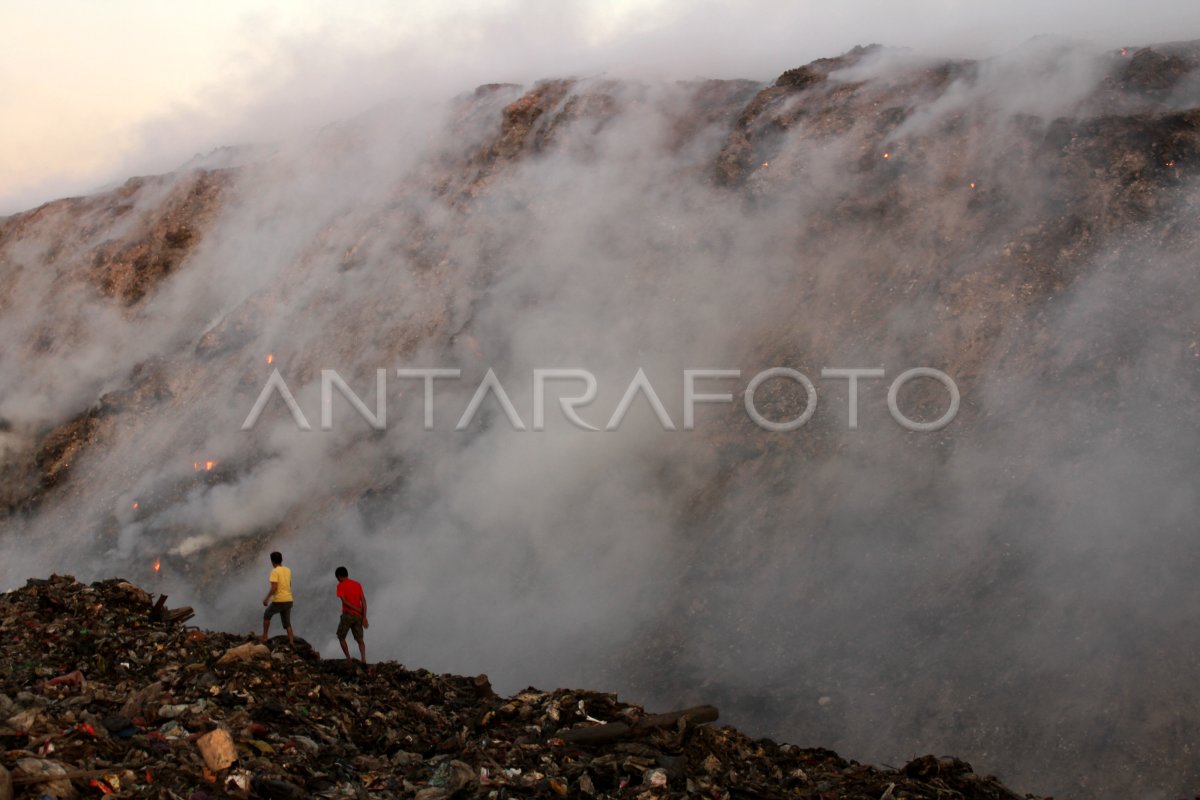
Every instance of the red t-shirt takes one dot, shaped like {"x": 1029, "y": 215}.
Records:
{"x": 351, "y": 592}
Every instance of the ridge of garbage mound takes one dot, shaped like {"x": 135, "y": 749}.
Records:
{"x": 102, "y": 692}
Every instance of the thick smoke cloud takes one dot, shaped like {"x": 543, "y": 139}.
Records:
{"x": 277, "y": 80}
{"x": 984, "y": 591}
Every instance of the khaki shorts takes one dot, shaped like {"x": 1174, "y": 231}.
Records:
{"x": 350, "y": 622}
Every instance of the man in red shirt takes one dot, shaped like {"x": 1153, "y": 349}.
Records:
{"x": 354, "y": 612}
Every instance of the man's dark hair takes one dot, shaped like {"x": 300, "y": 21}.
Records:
{"x": 277, "y": 558}
{"x": 341, "y": 572}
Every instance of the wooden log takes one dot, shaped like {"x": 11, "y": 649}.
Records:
{"x": 162, "y": 613}
{"x": 597, "y": 734}
{"x": 611, "y": 732}
{"x": 696, "y": 716}
{"x": 179, "y": 615}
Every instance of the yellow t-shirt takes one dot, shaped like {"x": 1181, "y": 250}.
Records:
{"x": 282, "y": 578}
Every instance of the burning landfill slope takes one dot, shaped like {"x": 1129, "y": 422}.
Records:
{"x": 1025, "y": 224}
{"x": 99, "y": 697}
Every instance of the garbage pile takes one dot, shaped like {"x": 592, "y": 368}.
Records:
{"x": 105, "y": 692}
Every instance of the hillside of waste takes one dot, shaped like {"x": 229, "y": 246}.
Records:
{"x": 102, "y": 695}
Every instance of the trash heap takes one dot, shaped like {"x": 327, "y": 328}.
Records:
{"x": 104, "y": 692}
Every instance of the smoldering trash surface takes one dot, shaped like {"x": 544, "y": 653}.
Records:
{"x": 100, "y": 698}
{"x": 1016, "y": 588}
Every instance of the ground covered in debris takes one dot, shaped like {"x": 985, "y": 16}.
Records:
{"x": 101, "y": 694}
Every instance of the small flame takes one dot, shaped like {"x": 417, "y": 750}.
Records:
{"x": 972, "y": 184}
{"x": 1170, "y": 163}
{"x": 270, "y": 358}
{"x": 157, "y": 565}
{"x": 135, "y": 505}
{"x": 207, "y": 466}
{"x": 766, "y": 163}
{"x": 1124, "y": 51}
{"x": 887, "y": 155}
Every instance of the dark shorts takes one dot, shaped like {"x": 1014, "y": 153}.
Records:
{"x": 284, "y": 610}
{"x": 350, "y": 622}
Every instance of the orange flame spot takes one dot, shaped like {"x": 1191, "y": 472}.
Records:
{"x": 766, "y": 163}
{"x": 270, "y": 358}
{"x": 157, "y": 565}
{"x": 135, "y": 505}
{"x": 887, "y": 155}
{"x": 208, "y": 465}
{"x": 972, "y": 184}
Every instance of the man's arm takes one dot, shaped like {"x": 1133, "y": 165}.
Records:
{"x": 271, "y": 593}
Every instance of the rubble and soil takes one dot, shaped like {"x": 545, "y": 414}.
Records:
{"x": 980, "y": 220}
{"x": 100, "y": 695}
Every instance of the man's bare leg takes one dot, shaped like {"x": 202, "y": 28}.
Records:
{"x": 266, "y": 627}
{"x": 345, "y": 649}
{"x": 291, "y": 639}
{"x": 362, "y": 650}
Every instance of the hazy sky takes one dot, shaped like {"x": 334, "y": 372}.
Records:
{"x": 987, "y": 593}
{"x": 93, "y": 92}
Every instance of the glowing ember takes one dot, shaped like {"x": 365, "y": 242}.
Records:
{"x": 1170, "y": 163}
{"x": 203, "y": 465}
{"x": 270, "y": 358}
{"x": 887, "y": 155}
{"x": 157, "y": 565}
{"x": 135, "y": 505}
{"x": 972, "y": 184}
{"x": 766, "y": 163}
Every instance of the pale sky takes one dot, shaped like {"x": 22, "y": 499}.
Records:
{"x": 78, "y": 79}
{"x": 92, "y": 92}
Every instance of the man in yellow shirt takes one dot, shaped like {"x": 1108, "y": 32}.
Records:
{"x": 279, "y": 598}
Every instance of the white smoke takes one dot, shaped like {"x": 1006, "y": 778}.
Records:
{"x": 927, "y": 584}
